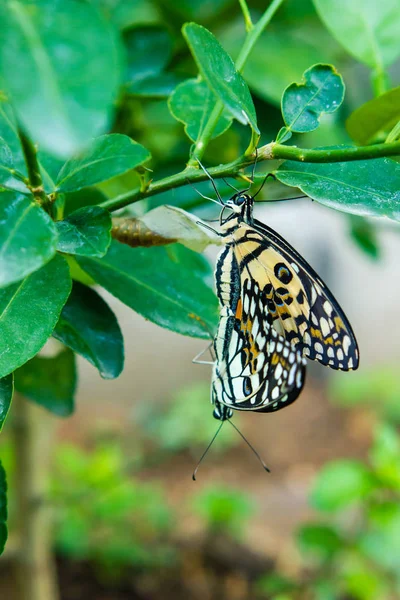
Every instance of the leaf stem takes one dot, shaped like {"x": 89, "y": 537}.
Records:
{"x": 246, "y": 14}
{"x": 272, "y": 151}
{"x": 394, "y": 134}
{"x": 251, "y": 38}
{"x": 32, "y": 165}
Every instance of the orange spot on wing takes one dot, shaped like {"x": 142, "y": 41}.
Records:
{"x": 239, "y": 310}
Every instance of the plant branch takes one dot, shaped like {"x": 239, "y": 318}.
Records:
{"x": 251, "y": 38}
{"x": 279, "y": 151}
{"x": 271, "y": 151}
{"x": 32, "y": 165}
{"x": 246, "y": 14}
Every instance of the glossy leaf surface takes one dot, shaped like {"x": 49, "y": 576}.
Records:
{"x": 6, "y": 394}
{"x": 366, "y": 188}
{"x": 218, "y": 70}
{"x": 85, "y": 231}
{"x": 29, "y": 311}
{"x": 88, "y": 326}
{"x": 62, "y": 84}
{"x": 169, "y": 286}
{"x": 192, "y": 103}
{"x": 107, "y": 156}
{"x": 50, "y": 382}
{"x": 28, "y": 237}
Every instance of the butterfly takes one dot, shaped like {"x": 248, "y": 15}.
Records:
{"x": 275, "y": 312}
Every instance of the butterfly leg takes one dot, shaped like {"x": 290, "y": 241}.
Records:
{"x": 202, "y": 224}
{"x": 209, "y": 348}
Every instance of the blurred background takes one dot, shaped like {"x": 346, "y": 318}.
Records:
{"x": 129, "y": 522}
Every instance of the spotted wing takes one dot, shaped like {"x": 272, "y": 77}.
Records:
{"x": 256, "y": 368}
{"x": 303, "y": 309}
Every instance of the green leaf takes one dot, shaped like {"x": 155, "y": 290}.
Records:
{"x": 62, "y": 85}
{"x": 148, "y": 50}
{"x": 169, "y": 286}
{"x": 50, "y": 382}
{"x": 303, "y": 104}
{"x": 155, "y": 86}
{"x": 28, "y": 237}
{"x": 192, "y": 103}
{"x": 218, "y": 70}
{"x": 281, "y": 55}
{"x": 3, "y": 509}
{"x": 85, "y": 197}
{"x": 322, "y": 541}
{"x": 385, "y": 455}
{"x": 6, "y": 394}
{"x": 9, "y": 133}
{"x": 108, "y": 156}
{"x": 363, "y": 233}
{"x": 373, "y": 120}
{"x": 366, "y": 188}
{"x": 127, "y": 14}
{"x": 367, "y": 29}
{"x": 9, "y": 177}
{"x": 88, "y": 326}
{"x": 340, "y": 484}
{"x": 87, "y": 232}
{"x": 197, "y": 9}
{"x": 29, "y": 311}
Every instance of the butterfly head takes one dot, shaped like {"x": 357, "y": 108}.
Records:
{"x": 241, "y": 205}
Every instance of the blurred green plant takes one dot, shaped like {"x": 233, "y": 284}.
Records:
{"x": 378, "y": 389}
{"x": 106, "y": 515}
{"x": 223, "y": 510}
{"x": 185, "y": 423}
{"x": 355, "y": 553}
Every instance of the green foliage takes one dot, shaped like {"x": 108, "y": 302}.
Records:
{"x": 187, "y": 305}
{"x": 367, "y": 188}
{"x": 192, "y": 103}
{"x": 62, "y": 85}
{"x": 50, "y": 382}
{"x": 106, "y": 157}
{"x": 365, "y": 30}
{"x": 6, "y": 394}
{"x": 355, "y": 554}
{"x": 33, "y": 308}
{"x": 378, "y": 389}
{"x": 92, "y": 91}
{"x": 3, "y": 508}
{"x": 355, "y": 483}
{"x": 218, "y": 70}
{"x": 223, "y": 510}
{"x": 107, "y": 516}
{"x": 86, "y": 231}
{"x": 303, "y": 104}
{"x": 28, "y": 237}
{"x": 186, "y": 423}
{"x": 373, "y": 120}
{"x": 90, "y": 328}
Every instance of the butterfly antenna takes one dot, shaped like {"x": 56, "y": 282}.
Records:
{"x": 206, "y": 450}
{"x": 263, "y": 183}
{"x": 284, "y": 199}
{"x": 230, "y": 185}
{"x": 250, "y": 446}
{"x": 202, "y": 195}
{"x": 212, "y": 182}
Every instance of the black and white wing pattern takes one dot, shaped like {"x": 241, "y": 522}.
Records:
{"x": 302, "y": 308}
{"x": 256, "y": 368}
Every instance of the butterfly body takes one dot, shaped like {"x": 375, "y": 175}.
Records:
{"x": 274, "y": 312}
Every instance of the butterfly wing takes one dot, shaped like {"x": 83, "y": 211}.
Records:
{"x": 256, "y": 368}
{"x": 303, "y": 309}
